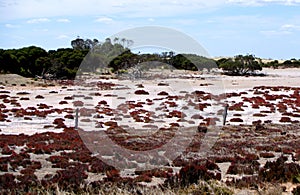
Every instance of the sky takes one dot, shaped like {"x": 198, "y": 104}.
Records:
{"x": 265, "y": 28}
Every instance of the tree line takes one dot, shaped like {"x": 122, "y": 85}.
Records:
{"x": 64, "y": 63}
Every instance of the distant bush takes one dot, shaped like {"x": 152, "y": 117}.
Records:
{"x": 239, "y": 65}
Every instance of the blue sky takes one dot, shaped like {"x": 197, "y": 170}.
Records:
{"x": 265, "y": 28}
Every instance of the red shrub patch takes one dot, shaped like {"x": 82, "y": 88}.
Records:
{"x": 78, "y": 103}
{"x": 211, "y": 121}
{"x": 202, "y": 129}
{"x": 39, "y": 97}
{"x": 68, "y": 98}
{"x": 111, "y": 124}
{"x": 162, "y": 93}
{"x": 285, "y": 119}
{"x": 69, "y": 116}
{"x": 236, "y": 120}
{"x": 197, "y": 116}
{"x": 163, "y": 84}
{"x": 171, "y": 104}
{"x": 43, "y": 106}
{"x": 23, "y": 93}
{"x": 174, "y": 125}
{"x": 259, "y": 115}
{"x": 85, "y": 120}
{"x": 266, "y": 155}
{"x": 24, "y": 98}
{"x": 139, "y": 85}
{"x": 102, "y": 102}
{"x": 176, "y": 113}
{"x": 141, "y": 92}
{"x": 237, "y": 107}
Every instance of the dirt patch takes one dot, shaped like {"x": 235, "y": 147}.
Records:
{"x": 17, "y": 80}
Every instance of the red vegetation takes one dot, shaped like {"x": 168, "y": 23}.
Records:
{"x": 162, "y": 84}
{"x": 162, "y": 93}
{"x": 285, "y": 119}
{"x": 266, "y": 155}
{"x": 239, "y": 120}
{"x": 78, "y": 103}
{"x": 259, "y": 115}
{"x": 237, "y": 107}
{"x": 68, "y": 98}
{"x": 211, "y": 121}
{"x": 39, "y": 97}
{"x": 197, "y": 116}
{"x": 176, "y": 113}
{"x": 141, "y": 92}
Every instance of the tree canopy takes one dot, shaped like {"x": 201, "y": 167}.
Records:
{"x": 240, "y": 65}
{"x": 34, "y": 61}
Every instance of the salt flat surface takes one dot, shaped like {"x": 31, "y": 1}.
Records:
{"x": 153, "y": 109}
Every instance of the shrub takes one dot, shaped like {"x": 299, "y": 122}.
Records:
{"x": 141, "y": 92}
{"x": 240, "y": 65}
{"x": 279, "y": 171}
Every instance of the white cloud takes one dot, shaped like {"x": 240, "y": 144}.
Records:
{"x": 275, "y": 32}
{"x": 41, "y": 29}
{"x": 62, "y": 37}
{"x": 186, "y": 22}
{"x": 264, "y": 2}
{"x": 38, "y": 20}
{"x": 290, "y": 27}
{"x": 285, "y": 29}
{"x": 105, "y": 20}
{"x": 240, "y": 20}
{"x": 63, "y": 20}
{"x": 11, "y": 26}
{"x": 125, "y": 8}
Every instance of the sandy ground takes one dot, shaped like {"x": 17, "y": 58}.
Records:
{"x": 274, "y": 77}
{"x": 189, "y": 81}
{"x": 14, "y": 80}
{"x": 180, "y": 82}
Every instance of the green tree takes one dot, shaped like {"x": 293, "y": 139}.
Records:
{"x": 181, "y": 62}
{"x": 81, "y": 44}
{"x": 240, "y": 65}
{"x": 42, "y": 64}
{"x": 9, "y": 61}
{"x": 124, "y": 61}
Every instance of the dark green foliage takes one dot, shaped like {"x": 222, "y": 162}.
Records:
{"x": 21, "y": 61}
{"x": 91, "y": 55}
{"x": 199, "y": 62}
{"x": 273, "y": 64}
{"x": 181, "y": 62}
{"x": 65, "y": 62}
{"x": 293, "y": 63}
{"x": 124, "y": 61}
{"x": 62, "y": 63}
{"x": 80, "y": 44}
{"x": 240, "y": 65}
{"x": 192, "y": 62}
{"x": 34, "y": 61}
